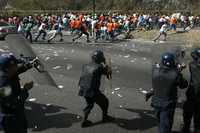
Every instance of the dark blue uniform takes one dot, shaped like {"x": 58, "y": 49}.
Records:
{"x": 191, "y": 108}
{"x": 89, "y": 87}
{"x": 89, "y": 84}
{"x": 165, "y": 81}
{"x": 12, "y": 104}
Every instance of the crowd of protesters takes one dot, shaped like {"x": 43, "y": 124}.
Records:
{"x": 105, "y": 27}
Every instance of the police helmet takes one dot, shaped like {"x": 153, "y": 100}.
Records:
{"x": 196, "y": 54}
{"x": 6, "y": 60}
{"x": 168, "y": 60}
{"x": 98, "y": 56}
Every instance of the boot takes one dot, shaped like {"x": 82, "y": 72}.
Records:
{"x": 107, "y": 118}
{"x": 185, "y": 130}
{"x": 85, "y": 122}
{"x": 197, "y": 131}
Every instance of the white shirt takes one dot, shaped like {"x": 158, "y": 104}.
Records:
{"x": 162, "y": 20}
{"x": 167, "y": 18}
{"x": 163, "y": 28}
{"x": 104, "y": 28}
{"x": 93, "y": 23}
{"x": 127, "y": 23}
{"x": 191, "y": 18}
{"x": 183, "y": 18}
{"x": 42, "y": 26}
{"x": 150, "y": 20}
{"x": 64, "y": 20}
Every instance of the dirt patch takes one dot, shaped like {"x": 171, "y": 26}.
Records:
{"x": 191, "y": 38}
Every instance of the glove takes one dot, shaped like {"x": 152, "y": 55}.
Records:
{"x": 148, "y": 96}
{"x": 28, "y": 86}
{"x": 180, "y": 67}
{"x": 24, "y": 95}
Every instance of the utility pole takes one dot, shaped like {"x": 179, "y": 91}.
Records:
{"x": 94, "y": 7}
{"x": 93, "y": 16}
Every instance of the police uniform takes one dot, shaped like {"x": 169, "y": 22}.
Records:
{"x": 12, "y": 105}
{"x": 191, "y": 107}
{"x": 165, "y": 81}
{"x": 90, "y": 83}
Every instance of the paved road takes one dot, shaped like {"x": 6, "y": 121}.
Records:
{"x": 51, "y": 110}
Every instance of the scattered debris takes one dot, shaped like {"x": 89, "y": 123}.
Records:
{"x": 119, "y": 95}
{"x": 134, "y": 50}
{"x": 69, "y": 66}
{"x": 144, "y": 92}
{"x": 132, "y": 61}
{"x": 116, "y": 89}
{"x": 78, "y": 117}
{"x": 32, "y": 100}
{"x": 48, "y": 104}
{"x": 47, "y": 58}
{"x": 60, "y": 86}
{"x": 56, "y": 67}
{"x": 126, "y": 56}
{"x": 56, "y": 55}
{"x": 144, "y": 58}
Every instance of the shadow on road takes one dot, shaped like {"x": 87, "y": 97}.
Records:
{"x": 145, "y": 116}
{"x": 41, "y": 117}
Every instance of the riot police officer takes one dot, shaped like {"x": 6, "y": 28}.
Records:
{"x": 191, "y": 107}
{"x": 89, "y": 84}
{"x": 12, "y": 96}
{"x": 166, "y": 78}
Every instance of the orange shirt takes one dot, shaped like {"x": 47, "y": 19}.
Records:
{"x": 77, "y": 24}
{"x": 173, "y": 20}
{"x": 72, "y": 23}
{"x": 115, "y": 25}
{"x": 110, "y": 27}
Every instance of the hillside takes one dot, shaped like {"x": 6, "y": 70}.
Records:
{"x": 183, "y": 5}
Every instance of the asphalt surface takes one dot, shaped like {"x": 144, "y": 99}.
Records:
{"x": 53, "y": 110}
